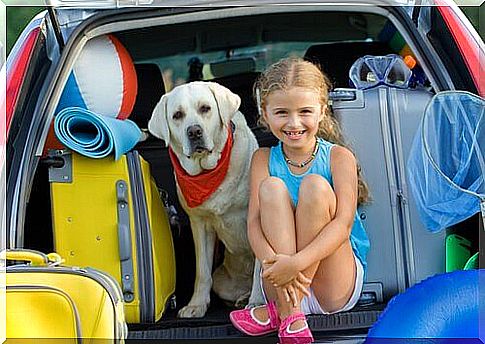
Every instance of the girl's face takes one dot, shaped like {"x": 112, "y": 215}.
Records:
{"x": 293, "y": 116}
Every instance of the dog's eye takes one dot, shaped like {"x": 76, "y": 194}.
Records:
{"x": 204, "y": 109}
{"x": 178, "y": 115}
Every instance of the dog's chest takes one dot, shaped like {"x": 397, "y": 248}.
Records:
{"x": 226, "y": 215}
{"x": 231, "y": 230}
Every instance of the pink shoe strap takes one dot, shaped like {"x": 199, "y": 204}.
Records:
{"x": 291, "y": 319}
{"x": 274, "y": 318}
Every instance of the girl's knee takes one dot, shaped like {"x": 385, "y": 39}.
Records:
{"x": 272, "y": 188}
{"x": 313, "y": 187}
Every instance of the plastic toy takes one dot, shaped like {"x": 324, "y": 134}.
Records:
{"x": 442, "y": 306}
{"x": 103, "y": 80}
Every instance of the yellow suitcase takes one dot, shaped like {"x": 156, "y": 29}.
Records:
{"x": 48, "y": 301}
{"x": 108, "y": 214}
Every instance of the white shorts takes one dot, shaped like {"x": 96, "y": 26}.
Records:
{"x": 310, "y": 304}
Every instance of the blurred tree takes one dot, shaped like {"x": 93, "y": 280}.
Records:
{"x": 17, "y": 18}
{"x": 476, "y": 15}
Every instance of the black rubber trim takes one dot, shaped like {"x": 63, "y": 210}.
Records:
{"x": 429, "y": 58}
{"x": 322, "y": 326}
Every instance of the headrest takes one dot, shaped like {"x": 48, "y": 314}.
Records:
{"x": 103, "y": 79}
{"x": 371, "y": 71}
{"x": 335, "y": 59}
{"x": 150, "y": 89}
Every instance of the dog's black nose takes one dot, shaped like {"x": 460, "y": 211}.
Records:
{"x": 194, "y": 132}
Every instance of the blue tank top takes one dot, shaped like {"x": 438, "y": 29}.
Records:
{"x": 321, "y": 166}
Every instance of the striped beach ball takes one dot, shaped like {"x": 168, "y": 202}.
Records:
{"x": 103, "y": 79}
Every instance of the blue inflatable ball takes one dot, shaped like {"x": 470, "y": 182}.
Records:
{"x": 450, "y": 305}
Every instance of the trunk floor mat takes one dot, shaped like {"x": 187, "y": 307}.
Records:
{"x": 216, "y": 324}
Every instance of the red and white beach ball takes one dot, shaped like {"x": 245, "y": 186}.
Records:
{"x": 103, "y": 79}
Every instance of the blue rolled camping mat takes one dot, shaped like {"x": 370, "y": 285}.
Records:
{"x": 93, "y": 135}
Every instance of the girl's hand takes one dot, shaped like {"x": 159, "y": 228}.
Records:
{"x": 282, "y": 270}
{"x": 301, "y": 284}
{"x": 290, "y": 294}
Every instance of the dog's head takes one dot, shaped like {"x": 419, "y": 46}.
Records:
{"x": 194, "y": 116}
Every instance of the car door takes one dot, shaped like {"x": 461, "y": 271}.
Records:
{"x": 29, "y": 71}
{"x": 26, "y": 69}
{"x": 457, "y": 43}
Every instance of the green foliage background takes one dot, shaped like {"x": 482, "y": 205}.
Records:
{"x": 19, "y": 16}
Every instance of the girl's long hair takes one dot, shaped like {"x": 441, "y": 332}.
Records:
{"x": 296, "y": 72}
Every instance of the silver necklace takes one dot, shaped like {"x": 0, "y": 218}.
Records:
{"x": 304, "y": 163}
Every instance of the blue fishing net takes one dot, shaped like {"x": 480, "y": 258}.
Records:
{"x": 446, "y": 165}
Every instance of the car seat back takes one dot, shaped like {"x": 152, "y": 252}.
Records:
{"x": 150, "y": 89}
{"x": 335, "y": 59}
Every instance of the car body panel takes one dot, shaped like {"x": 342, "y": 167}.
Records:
{"x": 26, "y": 141}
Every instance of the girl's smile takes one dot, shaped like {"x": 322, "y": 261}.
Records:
{"x": 294, "y": 135}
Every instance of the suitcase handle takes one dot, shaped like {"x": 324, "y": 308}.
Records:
{"x": 342, "y": 94}
{"x": 124, "y": 241}
{"x": 35, "y": 258}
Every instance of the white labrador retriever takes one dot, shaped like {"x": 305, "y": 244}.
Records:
{"x": 195, "y": 120}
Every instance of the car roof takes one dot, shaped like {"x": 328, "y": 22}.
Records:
{"x": 216, "y": 3}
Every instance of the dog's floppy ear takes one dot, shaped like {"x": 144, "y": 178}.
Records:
{"x": 158, "y": 124}
{"x": 227, "y": 102}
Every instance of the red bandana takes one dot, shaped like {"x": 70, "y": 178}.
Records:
{"x": 196, "y": 189}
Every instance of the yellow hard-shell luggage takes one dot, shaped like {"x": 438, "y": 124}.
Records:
{"x": 46, "y": 300}
{"x": 109, "y": 215}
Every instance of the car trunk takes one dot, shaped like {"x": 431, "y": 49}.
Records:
{"x": 378, "y": 125}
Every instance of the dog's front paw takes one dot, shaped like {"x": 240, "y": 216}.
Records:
{"x": 192, "y": 311}
{"x": 242, "y": 301}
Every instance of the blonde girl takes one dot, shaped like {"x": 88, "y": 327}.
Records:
{"x": 302, "y": 219}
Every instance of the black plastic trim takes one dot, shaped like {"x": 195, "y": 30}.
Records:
{"x": 56, "y": 27}
{"x": 425, "y": 52}
{"x": 442, "y": 40}
{"x": 22, "y": 120}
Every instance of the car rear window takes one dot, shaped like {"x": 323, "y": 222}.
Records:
{"x": 231, "y": 46}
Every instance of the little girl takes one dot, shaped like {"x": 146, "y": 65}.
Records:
{"x": 302, "y": 219}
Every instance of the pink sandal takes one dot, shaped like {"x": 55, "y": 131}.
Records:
{"x": 300, "y": 336}
{"x": 245, "y": 321}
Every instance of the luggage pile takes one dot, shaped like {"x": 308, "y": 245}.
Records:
{"x": 109, "y": 223}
